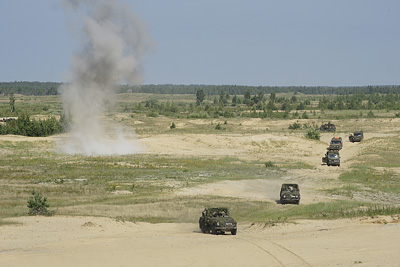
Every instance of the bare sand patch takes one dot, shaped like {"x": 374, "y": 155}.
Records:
{"x": 95, "y": 241}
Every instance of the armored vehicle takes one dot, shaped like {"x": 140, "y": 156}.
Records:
{"x": 336, "y": 143}
{"x": 357, "y": 136}
{"x": 217, "y": 220}
{"x": 332, "y": 157}
{"x": 290, "y": 193}
{"x": 328, "y": 127}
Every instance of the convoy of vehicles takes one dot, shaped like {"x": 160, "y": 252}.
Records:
{"x": 217, "y": 220}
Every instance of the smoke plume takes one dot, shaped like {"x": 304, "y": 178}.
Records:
{"x": 113, "y": 42}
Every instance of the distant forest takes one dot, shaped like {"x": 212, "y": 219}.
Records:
{"x": 50, "y": 88}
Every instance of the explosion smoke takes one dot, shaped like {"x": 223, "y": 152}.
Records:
{"x": 113, "y": 45}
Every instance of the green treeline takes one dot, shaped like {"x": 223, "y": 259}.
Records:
{"x": 27, "y": 127}
{"x": 29, "y": 88}
{"x": 241, "y": 90}
{"x": 50, "y": 88}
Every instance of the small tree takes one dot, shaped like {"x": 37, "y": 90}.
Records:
{"x": 200, "y": 96}
{"x": 313, "y": 133}
{"x": 38, "y": 205}
{"x": 12, "y": 103}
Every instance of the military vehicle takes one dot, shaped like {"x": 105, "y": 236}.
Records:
{"x": 357, "y": 136}
{"x": 290, "y": 193}
{"x": 332, "y": 157}
{"x": 328, "y": 127}
{"x": 336, "y": 143}
{"x": 217, "y": 220}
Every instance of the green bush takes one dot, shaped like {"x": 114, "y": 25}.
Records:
{"x": 313, "y": 133}
{"x": 27, "y": 127}
{"x": 38, "y": 205}
{"x": 294, "y": 126}
{"x": 269, "y": 164}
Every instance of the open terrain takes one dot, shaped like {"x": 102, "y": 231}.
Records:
{"x": 143, "y": 209}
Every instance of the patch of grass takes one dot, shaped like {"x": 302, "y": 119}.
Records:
{"x": 370, "y": 179}
{"x": 296, "y": 165}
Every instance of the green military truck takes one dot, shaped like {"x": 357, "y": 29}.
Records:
{"x": 327, "y": 127}
{"x": 356, "y": 136}
{"x": 217, "y": 220}
{"x": 290, "y": 193}
{"x": 336, "y": 143}
{"x": 332, "y": 157}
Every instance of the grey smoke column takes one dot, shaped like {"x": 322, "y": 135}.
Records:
{"x": 113, "y": 43}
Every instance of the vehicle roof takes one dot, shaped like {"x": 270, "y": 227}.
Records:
{"x": 217, "y": 209}
{"x": 290, "y": 185}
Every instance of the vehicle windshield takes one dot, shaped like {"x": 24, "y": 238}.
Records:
{"x": 357, "y": 134}
{"x": 335, "y": 142}
{"x": 291, "y": 188}
{"x": 333, "y": 156}
{"x": 219, "y": 214}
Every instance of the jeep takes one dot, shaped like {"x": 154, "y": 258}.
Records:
{"x": 327, "y": 127}
{"x": 290, "y": 193}
{"x": 217, "y": 220}
{"x": 357, "y": 136}
{"x": 336, "y": 143}
{"x": 332, "y": 157}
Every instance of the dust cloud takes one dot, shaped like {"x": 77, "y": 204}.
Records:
{"x": 112, "y": 44}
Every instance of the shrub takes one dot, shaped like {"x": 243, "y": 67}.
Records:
{"x": 173, "y": 126}
{"x": 27, "y": 127}
{"x": 294, "y": 126}
{"x": 370, "y": 114}
{"x": 313, "y": 133}
{"x": 269, "y": 164}
{"x": 38, "y": 205}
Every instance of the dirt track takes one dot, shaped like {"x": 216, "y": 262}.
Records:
{"x": 91, "y": 241}
{"x": 95, "y": 241}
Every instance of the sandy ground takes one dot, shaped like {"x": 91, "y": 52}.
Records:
{"x": 96, "y": 241}
{"x": 93, "y": 241}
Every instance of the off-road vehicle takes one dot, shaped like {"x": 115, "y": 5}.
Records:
{"x": 328, "y": 127}
{"x": 217, "y": 220}
{"x": 332, "y": 157}
{"x": 357, "y": 136}
{"x": 336, "y": 143}
{"x": 290, "y": 193}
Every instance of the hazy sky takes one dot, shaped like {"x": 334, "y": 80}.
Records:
{"x": 254, "y": 42}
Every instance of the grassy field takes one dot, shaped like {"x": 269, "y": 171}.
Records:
{"x": 142, "y": 187}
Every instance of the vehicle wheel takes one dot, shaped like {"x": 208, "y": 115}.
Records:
{"x": 214, "y": 231}
{"x": 203, "y": 228}
{"x": 298, "y": 202}
{"x": 233, "y": 232}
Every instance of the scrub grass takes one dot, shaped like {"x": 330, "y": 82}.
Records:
{"x": 143, "y": 187}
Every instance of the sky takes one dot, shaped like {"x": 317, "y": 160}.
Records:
{"x": 222, "y": 42}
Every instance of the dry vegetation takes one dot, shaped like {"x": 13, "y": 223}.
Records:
{"x": 194, "y": 165}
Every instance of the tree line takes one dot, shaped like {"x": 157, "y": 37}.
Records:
{"x": 51, "y": 88}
